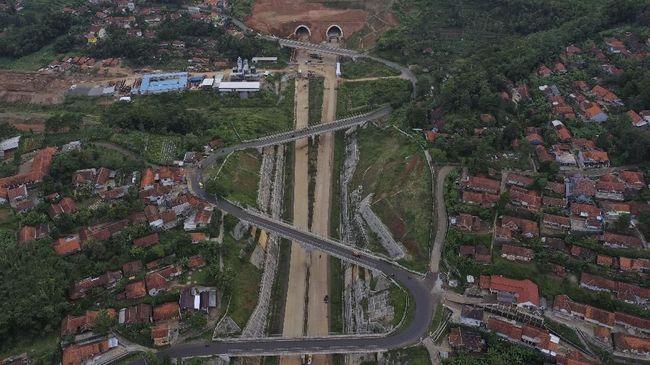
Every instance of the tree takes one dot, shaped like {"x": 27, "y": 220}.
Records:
{"x": 622, "y": 223}
{"x": 103, "y": 322}
{"x": 33, "y": 281}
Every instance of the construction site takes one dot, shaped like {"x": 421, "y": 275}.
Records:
{"x": 300, "y": 181}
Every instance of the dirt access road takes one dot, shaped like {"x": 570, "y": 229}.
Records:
{"x": 294, "y": 319}
{"x": 318, "y": 311}
{"x": 441, "y": 216}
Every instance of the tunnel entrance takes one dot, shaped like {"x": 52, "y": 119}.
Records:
{"x": 334, "y": 31}
{"x": 302, "y": 31}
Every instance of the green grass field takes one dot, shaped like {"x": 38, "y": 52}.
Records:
{"x": 238, "y": 178}
{"x": 393, "y": 168}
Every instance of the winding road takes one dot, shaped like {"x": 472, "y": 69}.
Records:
{"x": 424, "y": 294}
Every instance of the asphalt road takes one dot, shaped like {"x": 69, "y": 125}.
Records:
{"x": 420, "y": 288}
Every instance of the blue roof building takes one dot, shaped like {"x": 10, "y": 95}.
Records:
{"x": 162, "y": 83}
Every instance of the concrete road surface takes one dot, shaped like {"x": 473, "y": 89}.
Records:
{"x": 294, "y": 318}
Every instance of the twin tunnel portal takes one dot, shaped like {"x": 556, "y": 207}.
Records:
{"x": 333, "y": 32}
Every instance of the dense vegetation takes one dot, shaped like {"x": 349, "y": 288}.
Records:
{"x": 466, "y": 52}
{"x": 32, "y": 284}
{"x": 28, "y": 34}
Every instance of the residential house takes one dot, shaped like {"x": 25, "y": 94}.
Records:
{"x": 634, "y": 180}
{"x": 636, "y": 119}
{"x": 132, "y": 267}
{"x": 511, "y": 227}
{"x": 614, "y": 240}
{"x": 161, "y": 334}
{"x": 140, "y": 313}
{"x": 632, "y": 322}
{"x": 610, "y": 188}
{"x": 550, "y": 202}
{"x": 107, "y": 280}
{"x": 582, "y": 253}
{"x": 632, "y": 345}
{"x": 197, "y": 237}
{"x": 586, "y": 218}
{"x": 542, "y": 154}
{"x": 526, "y": 199}
{"x": 581, "y": 189}
{"x": 516, "y": 253}
{"x": 594, "y": 113}
{"x": 65, "y": 206}
{"x": 465, "y": 340}
{"x": 32, "y": 233}
{"x": 485, "y": 200}
{"x": 612, "y": 211}
{"x": 40, "y": 168}
{"x": 147, "y": 241}
{"x": 630, "y": 264}
{"x": 198, "y": 298}
{"x": 593, "y": 159}
{"x": 158, "y": 281}
{"x": 519, "y": 180}
{"x": 471, "y": 316}
{"x": 103, "y": 231}
{"x": 539, "y": 338}
{"x": 523, "y": 293}
{"x": 605, "y": 96}
{"x": 135, "y": 290}
{"x": 78, "y": 354}
{"x": 575, "y": 358}
{"x": 470, "y": 223}
{"x": 8, "y": 147}
{"x": 166, "y": 311}
{"x": 72, "y": 325}
{"x": 67, "y": 245}
{"x": 480, "y": 184}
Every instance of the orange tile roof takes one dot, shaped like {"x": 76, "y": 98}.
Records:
{"x": 135, "y": 290}
{"x": 78, "y": 354}
{"x": 625, "y": 342}
{"x": 166, "y": 311}
{"x": 507, "y": 329}
{"x": 524, "y": 290}
{"x": 146, "y": 241}
{"x": 67, "y": 245}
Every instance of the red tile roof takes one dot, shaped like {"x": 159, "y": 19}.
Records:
{"x": 629, "y": 343}
{"x": 140, "y": 313}
{"x": 196, "y": 261}
{"x": 146, "y": 241}
{"x": 148, "y": 178}
{"x": 135, "y": 290}
{"x": 39, "y": 169}
{"x": 65, "y": 206}
{"x": 619, "y": 240}
{"x": 27, "y": 234}
{"x": 517, "y": 253}
{"x": 77, "y": 354}
{"x": 132, "y": 267}
{"x": 166, "y": 311}
{"x": 524, "y": 290}
{"x": 633, "y": 179}
{"x": 197, "y": 237}
{"x": 481, "y": 184}
{"x": 72, "y": 325}
{"x": 507, "y": 329}
{"x": 67, "y": 245}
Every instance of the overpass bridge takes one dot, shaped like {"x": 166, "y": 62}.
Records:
{"x": 310, "y": 131}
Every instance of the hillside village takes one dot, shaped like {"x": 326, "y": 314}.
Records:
{"x": 533, "y": 214}
{"x": 580, "y": 219}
